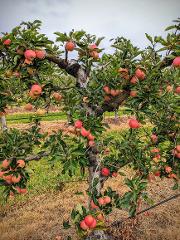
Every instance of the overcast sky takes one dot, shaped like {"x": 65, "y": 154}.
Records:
{"x": 109, "y": 18}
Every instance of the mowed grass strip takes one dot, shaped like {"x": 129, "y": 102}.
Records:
{"x": 51, "y": 116}
{"x": 26, "y": 117}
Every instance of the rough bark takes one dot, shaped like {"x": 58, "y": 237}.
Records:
{"x": 95, "y": 174}
{"x": 37, "y": 157}
{"x": 99, "y": 234}
{"x": 71, "y": 67}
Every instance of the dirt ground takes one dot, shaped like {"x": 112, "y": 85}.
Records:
{"x": 41, "y": 217}
{"x": 49, "y": 126}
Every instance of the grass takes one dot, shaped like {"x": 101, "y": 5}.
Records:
{"x": 52, "y": 116}
{"x": 43, "y": 178}
{"x": 25, "y": 117}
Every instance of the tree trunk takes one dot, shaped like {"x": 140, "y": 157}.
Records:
{"x": 94, "y": 160}
{"x": 94, "y": 175}
{"x": 3, "y": 123}
{"x": 99, "y": 235}
{"x": 69, "y": 117}
{"x": 116, "y": 116}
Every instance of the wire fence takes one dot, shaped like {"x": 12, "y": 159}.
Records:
{"x": 120, "y": 221}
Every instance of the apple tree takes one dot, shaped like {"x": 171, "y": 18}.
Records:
{"x": 36, "y": 73}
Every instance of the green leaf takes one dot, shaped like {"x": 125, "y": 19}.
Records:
{"x": 122, "y": 174}
{"x": 73, "y": 214}
{"x": 79, "y": 193}
{"x": 78, "y": 35}
{"x": 170, "y": 27}
{"x": 62, "y": 37}
{"x": 66, "y": 224}
{"x": 132, "y": 211}
{"x": 162, "y": 49}
{"x": 98, "y": 41}
{"x": 175, "y": 187}
{"x": 149, "y": 38}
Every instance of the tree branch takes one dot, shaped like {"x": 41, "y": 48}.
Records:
{"x": 114, "y": 104}
{"x": 166, "y": 62}
{"x": 37, "y": 157}
{"x": 72, "y": 67}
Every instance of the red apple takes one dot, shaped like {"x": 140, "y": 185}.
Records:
{"x": 8, "y": 178}
{"x": 21, "y": 163}
{"x": 69, "y": 46}
{"x": 133, "y": 93}
{"x": 88, "y": 220}
{"x": 169, "y": 88}
{"x": 176, "y": 62}
{"x": 90, "y": 137}
{"x": 157, "y": 174}
{"x": 178, "y": 148}
{"x": 93, "y": 205}
{"x": 28, "y": 107}
{"x": 101, "y": 201}
{"x": 168, "y": 169}
{"x": 177, "y": 90}
{"x": 1, "y": 174}
{"x": 107, "y": 199}
{"x": 154, "y": 138}
{"x": 106, "y": 89}
{"x": 91, "y": 143}
{"x": 140, "y": 74}
{"x": 94, "y": 54}
{"x": 84, "y": 132}
{"x": 83, "y": 225}
{"x": 29, "y": 54}
{"x": 114, "y": 174}
{"x": 172, "y": 175}
{"x": 23, "y": 190}
{"x": 40, "y": 54}
{"x": 16, "y": 179}
{"x": 105, "y": 172}
{"x": 93, "y": 46}
{"x": 57, "y": 96}
{"x": 134, "y": 80}
{"x": 155, "y": 150}
{"x": 36, "y": 89}
{"x": 7, "y": 42}
{"x": 133, "y": 123}
{"x": 78, "y": 124}
{"x": 113, "y": 92}
{"x": 93, "y": 225}
{"x": 5, "y": 163}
